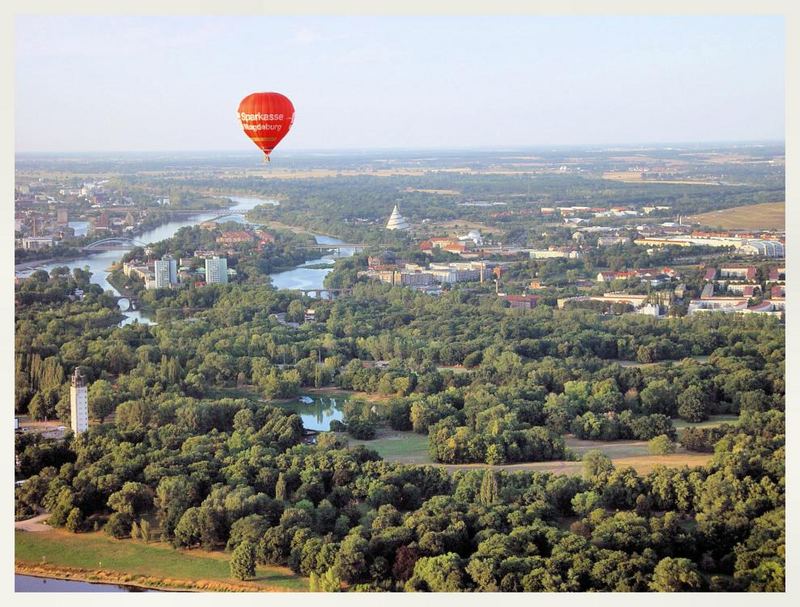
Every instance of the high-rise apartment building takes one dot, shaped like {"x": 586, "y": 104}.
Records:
{"x": 165, "y": 272}
{"x": 217, "y": 270}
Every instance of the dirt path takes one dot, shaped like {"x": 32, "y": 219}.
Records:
{"x": 35, "y": 524}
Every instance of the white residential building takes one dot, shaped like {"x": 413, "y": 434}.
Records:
{"x": 217, "y": 270}
{"x": 165, "y": 272}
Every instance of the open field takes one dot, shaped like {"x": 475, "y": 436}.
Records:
{"x": 766, "y": 216}
{"x": 101, "y": 558}
{"x": 636, "y": 177}
{"x": 462, "y": 226}
{"x": 429, "y": 191}
{"x": 396, "y": 446}
{"x": 711, "y": 422}
{"x": 412, "y": 448}
{"x": 642, "y": 464}
{"x": 456, "y": 369}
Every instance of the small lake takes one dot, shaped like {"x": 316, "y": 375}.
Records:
{"x": 28, "y": 583}
{"x": 318, "y": 414}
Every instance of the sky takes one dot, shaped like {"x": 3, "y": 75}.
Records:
{"x": 124, "y": 83}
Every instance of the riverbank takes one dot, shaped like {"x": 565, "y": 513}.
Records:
{"x": 95, "y": 557}
{"x": 99, "y": 576}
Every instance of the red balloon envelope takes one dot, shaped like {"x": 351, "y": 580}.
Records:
{"x": 266, "y": 118}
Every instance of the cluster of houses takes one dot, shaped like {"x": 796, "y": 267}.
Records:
{"x": 729, "y": 288}
{"x": 228, "y": 241}
{"x": 428, "y": 278}
{"x": 653, "y": 276}
{"x": 579, "y": 214}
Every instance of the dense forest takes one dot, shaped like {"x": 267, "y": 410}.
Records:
{"x": 220, "y": 472}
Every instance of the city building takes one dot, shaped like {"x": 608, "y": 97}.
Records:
{"x": 165, "y": 272}
{"x": 217, "y": 270}
{"x": 740, "y": 272}
{"x": 36, "y": 243}
{"x": 523, "y": 302}
{"x": 62, "y": 216}
{"x": 610, "y": 241}
{"x": 397, "y": 221}
{"x": 79, "y": 402}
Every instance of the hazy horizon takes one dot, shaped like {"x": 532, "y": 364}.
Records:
{"x": 88, "y": 84}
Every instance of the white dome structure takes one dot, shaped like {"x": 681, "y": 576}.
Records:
{"x": 397, "y": 221}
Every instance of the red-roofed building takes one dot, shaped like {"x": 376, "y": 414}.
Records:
{"x": 743, "y": 272}
{"x": 238, "y": 237}
{"x": 524, "y": 302}
{"x": 711, "y": 274}
{"x": 777, "y": 274}
{"x": 455, "y": 247}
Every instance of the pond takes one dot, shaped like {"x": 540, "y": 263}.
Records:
{"x": 319, "y": 412}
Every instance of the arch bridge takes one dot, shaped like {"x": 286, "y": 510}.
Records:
{"x": 116, "y": 243}
{"x": 127, "y": 303}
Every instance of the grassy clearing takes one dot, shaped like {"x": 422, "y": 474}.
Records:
{"x": 768, "y": 215}
{"x": 642, "y": 464}
{"x": 129, "y": 559}
{"x": 456, "y": 370}
{"x": 412, "y": 448}
{"x": 395, "y": 446}
{"x": 613, "y": 449}
{"x": 711, "y": 422}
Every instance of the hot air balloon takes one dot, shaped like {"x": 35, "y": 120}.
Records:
{"x": 266, "y": 118}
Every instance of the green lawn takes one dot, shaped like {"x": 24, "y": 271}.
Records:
{"x": 395, "y": 446}
{"x": 156, "y": 560}
{"x": 711, "y": 422}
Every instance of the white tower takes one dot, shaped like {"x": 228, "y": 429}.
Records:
{"x": 79, "y": 402}
{"x": 397, "y": 221}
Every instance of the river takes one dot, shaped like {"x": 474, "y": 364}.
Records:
{"x": 98, "y": 263}
{"x": 316, "y": 415}
{"x": 28, "y": 583}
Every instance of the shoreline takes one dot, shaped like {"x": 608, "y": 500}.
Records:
{"x": 102, "y": 576}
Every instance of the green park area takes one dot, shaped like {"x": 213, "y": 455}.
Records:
{"x": 137, "y": 563}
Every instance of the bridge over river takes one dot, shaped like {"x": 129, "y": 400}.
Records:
{"x": 116, "y": 243}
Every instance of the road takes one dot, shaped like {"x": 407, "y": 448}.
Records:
{"x": 35, "y": 524}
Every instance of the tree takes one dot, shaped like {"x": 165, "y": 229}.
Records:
{"x": 101, "y": 399}
{"x": 118, "y": 525}
{"x": 296, "y": 311}
{"x": 658, "y": 397}
{"x": 489, "y": 489}
{"x": 444, "y": 573}
{"x": 133, "y": 499}
{"x": 676, "y": 575}
{"x": 74, "y": 520}
{"x": 661, "y": 445}
{"x": 327, "y": 582}
{"x": 597, "y": 466}
{"x": 692, "y": 404}
{"x": 144, "y": 530}
{"x": 243, "y": 561}
{"x": 351, "y": 561}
